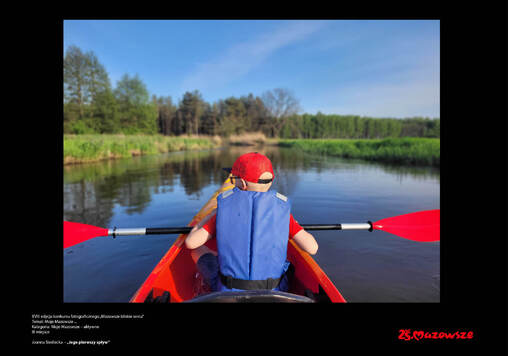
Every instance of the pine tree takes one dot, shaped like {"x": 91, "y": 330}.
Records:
{"x": 191, "y": 110}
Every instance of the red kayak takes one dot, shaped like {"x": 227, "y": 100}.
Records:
{"x": 175, "y": 278}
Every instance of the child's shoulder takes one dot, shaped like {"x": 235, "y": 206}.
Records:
{"x": 230, "y": 192}
{"x": 225, "y": 194}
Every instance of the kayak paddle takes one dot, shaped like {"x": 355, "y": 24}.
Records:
{"x": 421, "y": 226}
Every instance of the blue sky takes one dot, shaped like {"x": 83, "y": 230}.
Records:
{"x": 377, "y": 68}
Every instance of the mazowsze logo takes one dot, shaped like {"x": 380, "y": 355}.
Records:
{"x": 416, "y": 335}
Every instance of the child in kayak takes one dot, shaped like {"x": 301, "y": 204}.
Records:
{"x": 252, "y": 225}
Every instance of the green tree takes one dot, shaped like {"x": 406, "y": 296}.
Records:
{"x": 87, "y": 92}
{"x": 166, "y": 114}
{"x": 234, "y": 116}
{"x": 255, "y": 112}
{"x": 76, "y": 67}
{"x": 106, "y": 112}
{"x": 394, "y": 127}
{"x": 98, "y": 84}
{"x": 136, "y": 112}
{"x": 280, "y": 104}
{"x": 228, "y": 110}
{"x": 190, "y": 111}
{"x": 210, "y": 121}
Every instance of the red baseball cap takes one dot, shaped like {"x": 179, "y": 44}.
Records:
{"x": 250, "y": 166}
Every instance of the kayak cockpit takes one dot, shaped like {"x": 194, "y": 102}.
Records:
{"x": 251, "y": 296}
{"x": 176, "y": 279}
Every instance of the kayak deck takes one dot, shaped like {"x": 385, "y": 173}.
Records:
{"x": 174, "y": 279}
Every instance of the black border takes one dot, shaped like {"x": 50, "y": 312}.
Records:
{"x": 473, "y": 217}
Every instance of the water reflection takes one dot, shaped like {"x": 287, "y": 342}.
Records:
{"x": 91, "y": 191}
{"x": 168, "y": 189}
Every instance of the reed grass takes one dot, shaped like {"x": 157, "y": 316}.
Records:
{"x": 408, "y": 150}
{"x": 95, "y": 147}
{"x": 247, "y": 139}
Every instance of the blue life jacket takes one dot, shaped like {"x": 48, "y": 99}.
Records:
{"x": 252, "y": 239}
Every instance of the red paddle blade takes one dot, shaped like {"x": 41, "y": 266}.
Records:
{"x": 75, "y": 233}
{"x": 419, "y": 226}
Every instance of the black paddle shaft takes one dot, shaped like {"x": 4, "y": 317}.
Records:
{"x": 168, "y": 230}
{"x": 187, "y": 229}
{"x": 322, "y": 227}
{"x": 310, "y": 227}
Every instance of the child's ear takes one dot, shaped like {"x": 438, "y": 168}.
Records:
{"x": 244, "y": 185}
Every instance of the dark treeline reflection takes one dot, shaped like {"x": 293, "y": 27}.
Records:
{"x": 92, "y": 191}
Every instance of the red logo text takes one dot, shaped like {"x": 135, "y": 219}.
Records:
{"x": 416, "y": 335}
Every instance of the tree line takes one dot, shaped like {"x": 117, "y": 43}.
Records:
{"x": 351, "y": 126}
{"x": 92, "y": 105}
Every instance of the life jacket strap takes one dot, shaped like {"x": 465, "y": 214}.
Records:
{"x": 230, "y": 282}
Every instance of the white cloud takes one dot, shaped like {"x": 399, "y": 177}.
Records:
{"x": 243, "y": 57}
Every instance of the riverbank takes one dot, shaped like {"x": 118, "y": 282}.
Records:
{"x": 411, "y": 151}
{"x": 408, "y": 150}
{"x": 91, "y": 148}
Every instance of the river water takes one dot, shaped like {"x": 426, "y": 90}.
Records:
{"x": 169, "y": 189}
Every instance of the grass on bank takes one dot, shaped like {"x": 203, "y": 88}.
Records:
{"x": 94, "y": 147}
{"x": 408, "y": 150}
{"x": 247, "y": 139}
